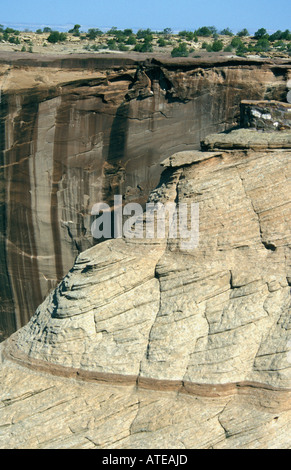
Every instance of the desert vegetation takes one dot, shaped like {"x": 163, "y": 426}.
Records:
{"x": 178, "y": 44}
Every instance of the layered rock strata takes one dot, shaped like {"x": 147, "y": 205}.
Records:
{"x": 203, "y": 331}
{"x": 214, "y": 314}
{"x": 77, "y": 130}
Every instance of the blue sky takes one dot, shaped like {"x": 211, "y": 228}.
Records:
{"x": 155, "y": 14}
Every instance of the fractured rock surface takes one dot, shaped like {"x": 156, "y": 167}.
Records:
{"x": 201, "y": 332}
{"x": 39, "y": 411}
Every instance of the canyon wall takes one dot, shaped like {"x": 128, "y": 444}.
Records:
{"x": 150, "y": 344}
{"x": 77, "y": 130}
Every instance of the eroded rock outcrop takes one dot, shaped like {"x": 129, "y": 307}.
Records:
{"x": 210, "y": 326}
{"x": 77, "y": 130}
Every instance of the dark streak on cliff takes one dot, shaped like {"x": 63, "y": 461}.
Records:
{"x": 7, "y": 316}
{"x": 23, "y": 270}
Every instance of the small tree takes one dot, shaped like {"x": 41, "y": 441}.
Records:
{"x": 286, "y": 35}
{"x": 142, "y": 33}
{"x": 127, "y": 32}
{"x": 243, "y": 32}
{"x": 167, "y": 32}
{"x": 261, "y": 33}
{"x": 226, "y": 32}
{"x": 75, "y": 30}
{"x": 93, "y": 33}
{"x": 279, "y": 35}
{"x": 204, "y": 31}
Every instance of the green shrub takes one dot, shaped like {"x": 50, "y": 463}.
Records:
{"x": 111, "y": 43}
{"x": 55, "y": 37}
{"x": 127, "y": 32}
{"x": 236, "y": 42}
{"x": 279, "y": 35}
{"x": 263, "y": 45}
{"x": 14, "y": 40}
{"x": 204, "y": 31}
{"x": 226, "y": 32}
{"x": 143, "y": 33}
{"x": 228, "y": 48}
{"x": 189, "y": 35}
{"x": 122, "y": 47}
{"x": 180, "y": 51}
{"x": 10, "y": 30}
{"x": 241, "y": 50}
{"x": 145, "y": 46}
{"x": 162, "y": 42}
{"x": 286, "y": 35}
{"x": 131, "y": 41}
{"x": 280, "y": 45}
{"x": 93, "y": 33}
{"x": 217, "y": 46}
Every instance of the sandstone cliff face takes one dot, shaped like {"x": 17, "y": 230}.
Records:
{"x": 210, "y": 326}
{"x": 77, "y": 131}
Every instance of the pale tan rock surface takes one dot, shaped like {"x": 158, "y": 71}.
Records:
{"x": 42, "y": 411}
{"x": 77, "y": 129}
{"x": 199, "y": 339}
